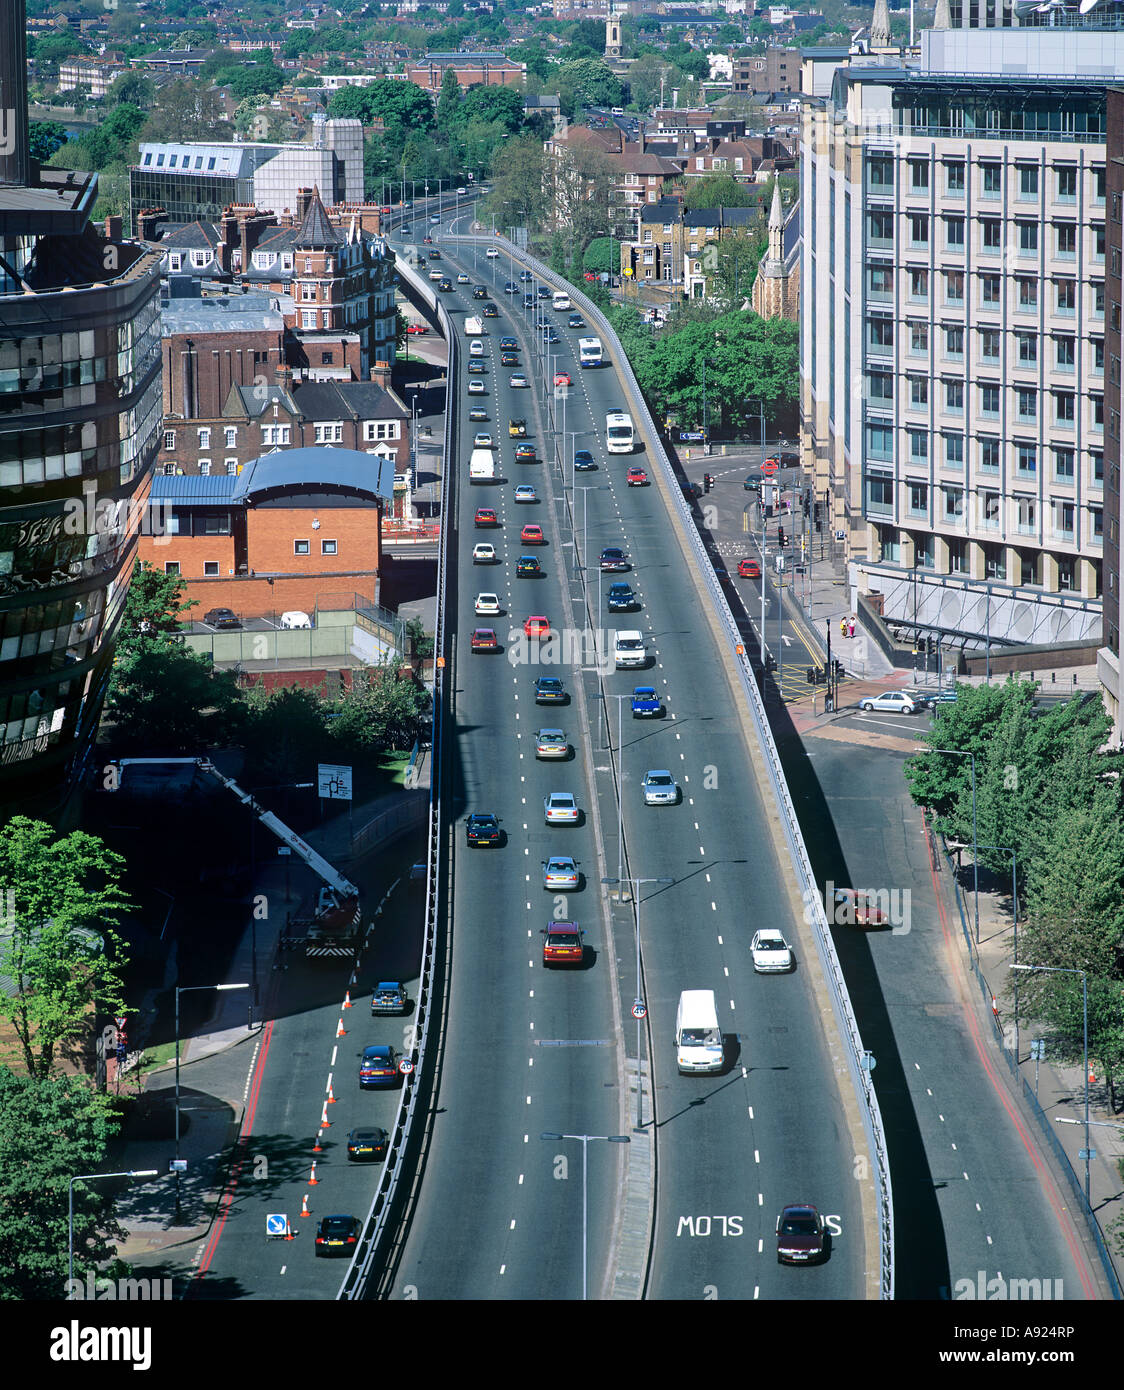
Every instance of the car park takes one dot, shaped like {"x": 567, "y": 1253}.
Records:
{"x": 295, "y": 618}
{"x": 484, "y": 639}
{"x": 621, "y": 599}
{"x": 646, "y": 703}
{"x": 890, "y": 701}
{"x": 560, "y": 808}
{"x": 560, "y": 872}
{"x": 486, "y": 516}
{"x": 749, "y": 569}
{"x": 536, "y": 626}
{"x": 575, "y": 321}
{"x": 854, "y": 907}
{"x": 487, "y": 605}
{"x": 483, "y": 554}
{"x": 659, "y": 788}
{"x": 527, "y": 567}
{"x": 477, "y": 414}
{"x": 800, "y": 1235}
{"x": 517, "y": 429}
{"x": 482, "y": 439}
{"x": 462, "y": 279}
{"x": 562, "y": 944}
{"x": 636, "y": 477}
{"x": 379, "y": 1067}
{"x": 337, "y": 1235}
{"x": 481, "y": 829}
{"x": 367, "y": 1145}
{"x": 613, "y": 559}
{"x": 222, "y": 618}
{"x": 771, "y": 953}
{"x": 477, "y": 388}
{"x": 525, "y": 453}
{"x": 551, "y": 743}
{"x": 549, "y": 690}
{"x": 525, "y": 493}
{"x": 562, "y": 379}
{"x": 490, "y": 311}
{"x": 390, "y": 997}
{"x": 583, "y": 461}
{"x": 518, "y": 381}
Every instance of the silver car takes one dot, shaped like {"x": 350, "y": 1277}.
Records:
{"x": 560, "y": 808}
{"x": 560, "y": 872}
{"x": 893, "y": 701}
{"x": 660, "y": 788}
{"x": 551, "y": 743}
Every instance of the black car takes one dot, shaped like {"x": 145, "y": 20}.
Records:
{"x": 691, "y": 491}
{"x": 479, "y": 292}
{"x": 490, "y": 311}
{"x": 367, "y": 1145}
{"x": 801, "y": 1235}
{"x": 482, "y": 829}
{"x": 511, "y": 288}
{"x": 576, "y": 321}
{"x": 525, "y": 276}
{"x": 528, "y": 300}
{"x": 789, "y": 460}
{"x": 337, "y": 1235}
{"x": 621, "y": 599}
{"x": 222, "y": 618}
{"x": 613, "y": 559}
{"x": 583, "y": 461}
{"x": 445, "y": 284}
{"x": 549, "y": 690}
{"x": 543, "y": 292}
{"x": 390, "y": 997}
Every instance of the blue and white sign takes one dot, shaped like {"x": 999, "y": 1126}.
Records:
{"x": 276, "y": 1225}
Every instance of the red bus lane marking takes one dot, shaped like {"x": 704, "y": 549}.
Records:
{"x": 227, "y": 1199}
{"x": 1046, "y": 1178}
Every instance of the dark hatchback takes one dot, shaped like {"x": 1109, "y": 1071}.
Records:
{"x": 482, "y": 828}
{"x": 613, "y": 559}
{"x": 367, "y": 1145}
{"x": 221, "y": 618}
{"x": 621, "y": 599}
{"x": 390, "y": 997}
{"x": 583, "y": 461}
{"x": 800, "y": 1235}
{"x": 337, "y": 1235}
{"x": 549, "y": 690}
{"x": 378, "y": 1067}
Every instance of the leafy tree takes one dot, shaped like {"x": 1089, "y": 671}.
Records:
{"x": 587, "y": 82}
{"x": 186, "y": 110}
{"x": 650, "y": 75}
{"x": 58, "y": 944}
{"x": 52, "y": 49}
{"x": 602, "y": 256}
{"x": 448, "y": 101}
{"x": 735, "y": 261}
{"x": 50, "y": 1129}
{"x": 136, "y": 89}
{"x": 518, "y": 198}
{"x": 156, "y": 606}
{"x": 502, "y": 104}
{"x": 45, "y": 138}
{"x": 170, "y": 700}
{"x": 285, "y": 732}
{"x": 380, "y": 713}
{"x": 718, "y": 191}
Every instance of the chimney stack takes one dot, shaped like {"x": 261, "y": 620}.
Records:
{"x": 304, "y": 201}
{"x": 113, "y": 227}
{"x": 380, "y": 375}
{"x": 147, "y": 219}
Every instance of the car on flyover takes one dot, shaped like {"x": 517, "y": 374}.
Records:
{"x": 801, "y": 1235}
{"x": 560, "y": 808}
{"x": 484, "y": 639}
{"x": 562, "y": 944}
{"x": 636, "y": 477}
{"x": 646, "y": 703}
{"x": 517, "y": 429}
{"x": 549, "y": 690}
{"x": 551, "y": 744}
{"x": 560, "y": 872}
{"x": 749, "y": 568}
{"x": 367, "y": 1145}
{"x": 483, "y": 554}
{"x": 378, "y": 1066}
{"x": 390, "y": 997}
{"x": 482, "y": 830}
{"x": 337, "y": 1235}
{"x": 487, "y": 605}
{"x": 583, "y": 461}
{"x": 771, "y": 953}
{"x": 537, "y": 625}
{"x": 525, "y": 493}
{"x": 659, "y": 788}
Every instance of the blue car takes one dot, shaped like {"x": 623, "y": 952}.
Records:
{"x": 379, "y": 1067}
{"x": 645, "y": 703}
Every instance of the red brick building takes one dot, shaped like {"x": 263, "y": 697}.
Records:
{"x": 472, "y": 70}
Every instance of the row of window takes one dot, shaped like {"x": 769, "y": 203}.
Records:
{"x": 330, "y": 432}
{"x": 1024, "y": 347}
{"x": 1024, "y": 238}
{"x": 1062, "y": 180}
{"x": 880, "y": 447}
{"x": 1023, "y": 511}
{"x": 211, "y": 567}
{"x": 880, "y": 389}
{"x": 880, "y": 327}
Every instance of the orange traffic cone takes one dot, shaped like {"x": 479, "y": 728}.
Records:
{"x": 317, "y": 1148}
{"x": 347, "y": 1000}
{"x": 304, "y": 1206}
{"x": 325, "y": 1123}
{"x": 341, "y": 1031}
{"x": 1092, "y": 1076}
{"x": 313, "y": 1179}
{"x": 331, "y": 1098}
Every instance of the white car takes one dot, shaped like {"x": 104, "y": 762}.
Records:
{"x": 436, "y": 218}
{"x": 518, "y": 380}
{"x": 526, "y": 493}
{"x": 437, "y": 275}
{"x": 476, "y": 348}
{"x": 483, "y": 554}
{"x": 295, "y": 618}
{"x": 559, "y": 872}
{"x": 476, "y": 387}
{"x": 462, "y": 279}
{"x": 560, "y": 808}
{"x": 551, "y": 743}
{"x": 492, "y": 252}
{"x": 894, "y": 701}
{"x": 487, "y": 603}
{"x": 660, "y": 788}
{"x": 771, "y": 952}
{"x": 482, "y": 440}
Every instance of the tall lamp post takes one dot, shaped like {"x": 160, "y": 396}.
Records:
{"x": 620, "y": 699}
{"x": 586, "y": 1140}
{"x": 963, "y": 753}
{"x": 186, "y": 989}
{"x": 1086, "y": 1153}
{"x": 638, "y": 1008}
{"x": 1006, "y": 849}
{"x": 91, "y": 1177}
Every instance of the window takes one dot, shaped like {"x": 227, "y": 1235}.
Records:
{"x": 880, "y": 441}
{"x": 953, "y": 503}
{"x": 300, "y": 548}
{"x": 1097, "y": 402}
{"x": 1096, "y": 524}
{"x": 919, "y": 337}
{"x": 231, "y": 465}
{"x": 1065, "y": 292}
{"x": 1027, "y": 345}
{"x": 954, "y": 395}
{"x": 1098, "y": 244}
{"x": 954, "y": 450}
{"x": 954, "y": 287}
{"x": 954, "y": 176}
{"x": 989, "y": 344}
{"x": 954, "y": 342}
{"x": 989, "y": 400}
{"x": 918, "y": 390}
{"x": 169, "y": 439}
{"x": 1028, "y": 181}
{"x": 171, "y": 567}
{"x": 881, "y": 332}
{"x": 1026, "y": 402}
{"x": 1064, "y": 407}
{"x": 1096, "y": 462}
{"x": 204, "y": 467}
{"x": 954, "y": 233}
{"x": 327, "y": 547}
{"x": 1098, "y": 186}
{"x": 210, "y": 569}
{"x": 1062, "y": 517}
{"x": 1064, "y": 349}
{"x": 989, "y": 509}
{"x": 991, "y": 234}
{"x": 204, "y": 439}
{"x": 1066, "y": 185}
{"x": 308, "y": 318}
{"x": 918, "y": 446}
{"x": 230, "y": 436}
{"x": 880, "y": 386}
{"x": 1028, "y": 238}
{"x": 880, "y": 225}
{"x": 275, "y": 434}
{"x": 918, "y": 175}
{"x": 1026, "y": 456}
{"x": 1065, "y": 241}
{"x": 308, "y": 292}
{"x": 1028, "y": 292}
{"x": 918, "y": 284}
{"x": 1098, "y": 302}
{"x": 175, "y": 262}
{"x": 992, "y": 180}
{"x": 919, "y": 228}
{"x": 880, "y": 280}
{"x": 918, "y": 498}
{"x": 1063, "y": 465}
{"x": 880, "y": 169}
{"x": 989, "y": 454}
{"x": 957, "y": 556}
{"x": 991, "y": 289}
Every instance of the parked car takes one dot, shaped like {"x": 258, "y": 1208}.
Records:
{"x": 221, "y": 618}
{"x": 294, "y": 618}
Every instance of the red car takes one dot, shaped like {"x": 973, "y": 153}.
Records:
{"x": 484, "y": 639}
{"x": 749, "y": 569}
{"x": 562, "y": 944}
{"x": 532, "y": 535}
{"x": 562, "y": 379}
{"x": 387, "y": 208}
{"x": 486, "y": 516}
{"x": 853, "y": 908}
{"x": 589, "y": 275}
{"x": 636, "y": 477}
{"x": 417, "y": 328}
{"x": 536, "y": 626}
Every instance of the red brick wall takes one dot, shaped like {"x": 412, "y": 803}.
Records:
{"x": 221, "y": 360}
{"x": 190, "y": 552}
{"x": 258, "y": 598}
{"x": 271, "y": 531}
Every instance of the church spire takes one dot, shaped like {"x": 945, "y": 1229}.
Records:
{"x": 943, "y": 17}
{"x": 880, "y": 25}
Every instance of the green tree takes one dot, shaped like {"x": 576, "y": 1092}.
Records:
{"x": 58, "y": 945}
{"x": 169, "y": 700}
{"x": 587, "y": 82}
{"x": 718, "y": 191}
{"x": 52, "y": 49}
{"x": 380, "y": 713}
{"x": 135, "y": 88}
{"x": 156, "y": 606}
{"x": 518, "y": 198}
{"x": 285, "y": 732}
{"x": 448, "y": 101}
{"x": 602, "y": 256}
{"x": 648, "y": 77}
{"x": 45, "y": 138}
{"x": 186, "y": 110}
{"x": 50, "y": 1129}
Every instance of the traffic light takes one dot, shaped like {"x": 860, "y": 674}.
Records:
{"x": 839, "y": 671}
{"x": 810, "y": 675}
{"x": 780, "y": 536}
{"x": 707, "y": 482}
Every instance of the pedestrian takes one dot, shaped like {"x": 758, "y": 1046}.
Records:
{"x": 843, "y": 625}
{"x": 851, "y": 626}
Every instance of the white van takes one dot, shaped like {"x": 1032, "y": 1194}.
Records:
{"x": 473, "y": 325}
{"x": 628, "y": 648}
{"x": 698, "y": 1038}
{"x": 482, "y": 466}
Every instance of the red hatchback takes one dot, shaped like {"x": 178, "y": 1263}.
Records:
{"x": 636, "y": 477}
{"x": 486, "y": 516}
{"x": 484, "y": 640}
{"x": 532, "y": 535}
{"x": 562, "y": 944}
{"x": 749, "y": 569}
{"x": 536, "y": 626}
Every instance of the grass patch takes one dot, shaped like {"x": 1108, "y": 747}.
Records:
{"x": 392, "y": 767}
{"x": 158, "y": 1056}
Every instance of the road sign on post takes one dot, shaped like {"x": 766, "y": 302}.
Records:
{"x": 333, "y": 781}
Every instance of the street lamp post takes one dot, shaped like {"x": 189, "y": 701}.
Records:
{"x": 620, "y": 699}
{"x": 186, "y": 989}
{"x": 635, "y": 885}
{"x": 585, "y": 1140}
{"x": 91, "y": 1177}
{"x": 963, "y": 753}
{"x": 1006, "y": 849}
{"x": 1086, "y": 1152}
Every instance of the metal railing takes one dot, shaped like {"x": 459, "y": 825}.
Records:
{"x": 856, "y": 1053}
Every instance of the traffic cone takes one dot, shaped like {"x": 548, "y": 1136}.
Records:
{"x": 317, "y": 1148}
{"x": 1092, "y": 1076}
{"x": 313, "y": 1179}
{"x": 341, "y": 1031}
{"x": 347, "y": 1000}
{"x": 304, "y": 1206}
{"x": 325, "y": 1123}
{"x": 331, "y": 1098}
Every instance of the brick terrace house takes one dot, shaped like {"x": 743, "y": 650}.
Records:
{"x": 291, "y": 528}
